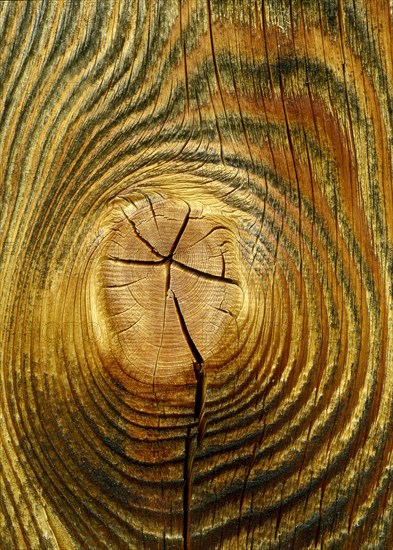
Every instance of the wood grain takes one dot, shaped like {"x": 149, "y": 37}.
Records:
{"x": 233, "y": 389}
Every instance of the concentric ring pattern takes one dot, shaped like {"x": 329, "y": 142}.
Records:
{"x": 275, "y": 119}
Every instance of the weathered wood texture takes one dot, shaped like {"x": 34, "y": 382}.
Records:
{"x": 196, "y": 274}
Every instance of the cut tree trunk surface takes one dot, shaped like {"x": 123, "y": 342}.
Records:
{"x": 196, "y": 263}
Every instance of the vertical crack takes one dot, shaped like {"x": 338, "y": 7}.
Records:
{"x": 200, "y": 400}
{"x": 199, "y": 416}
{"x": 188, "y": 466}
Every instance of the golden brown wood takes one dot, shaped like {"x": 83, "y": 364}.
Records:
{"x": 196, "y": 274}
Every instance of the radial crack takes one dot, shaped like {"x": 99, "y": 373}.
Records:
{"x": 181, "y": 231}
{"x": 139, "y": 236}
{"x": 190, "y": 341}
{"x": 200, "y": 375}
{"x": 137, "y": 262}
{"x": 204, "y": 274}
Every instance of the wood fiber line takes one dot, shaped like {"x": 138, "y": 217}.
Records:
{"x": 196, "y": 261}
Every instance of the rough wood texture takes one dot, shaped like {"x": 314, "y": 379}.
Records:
{"x": 197, "y": 274}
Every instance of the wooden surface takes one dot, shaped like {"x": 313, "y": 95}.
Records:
{"x": 196, "y": 274}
